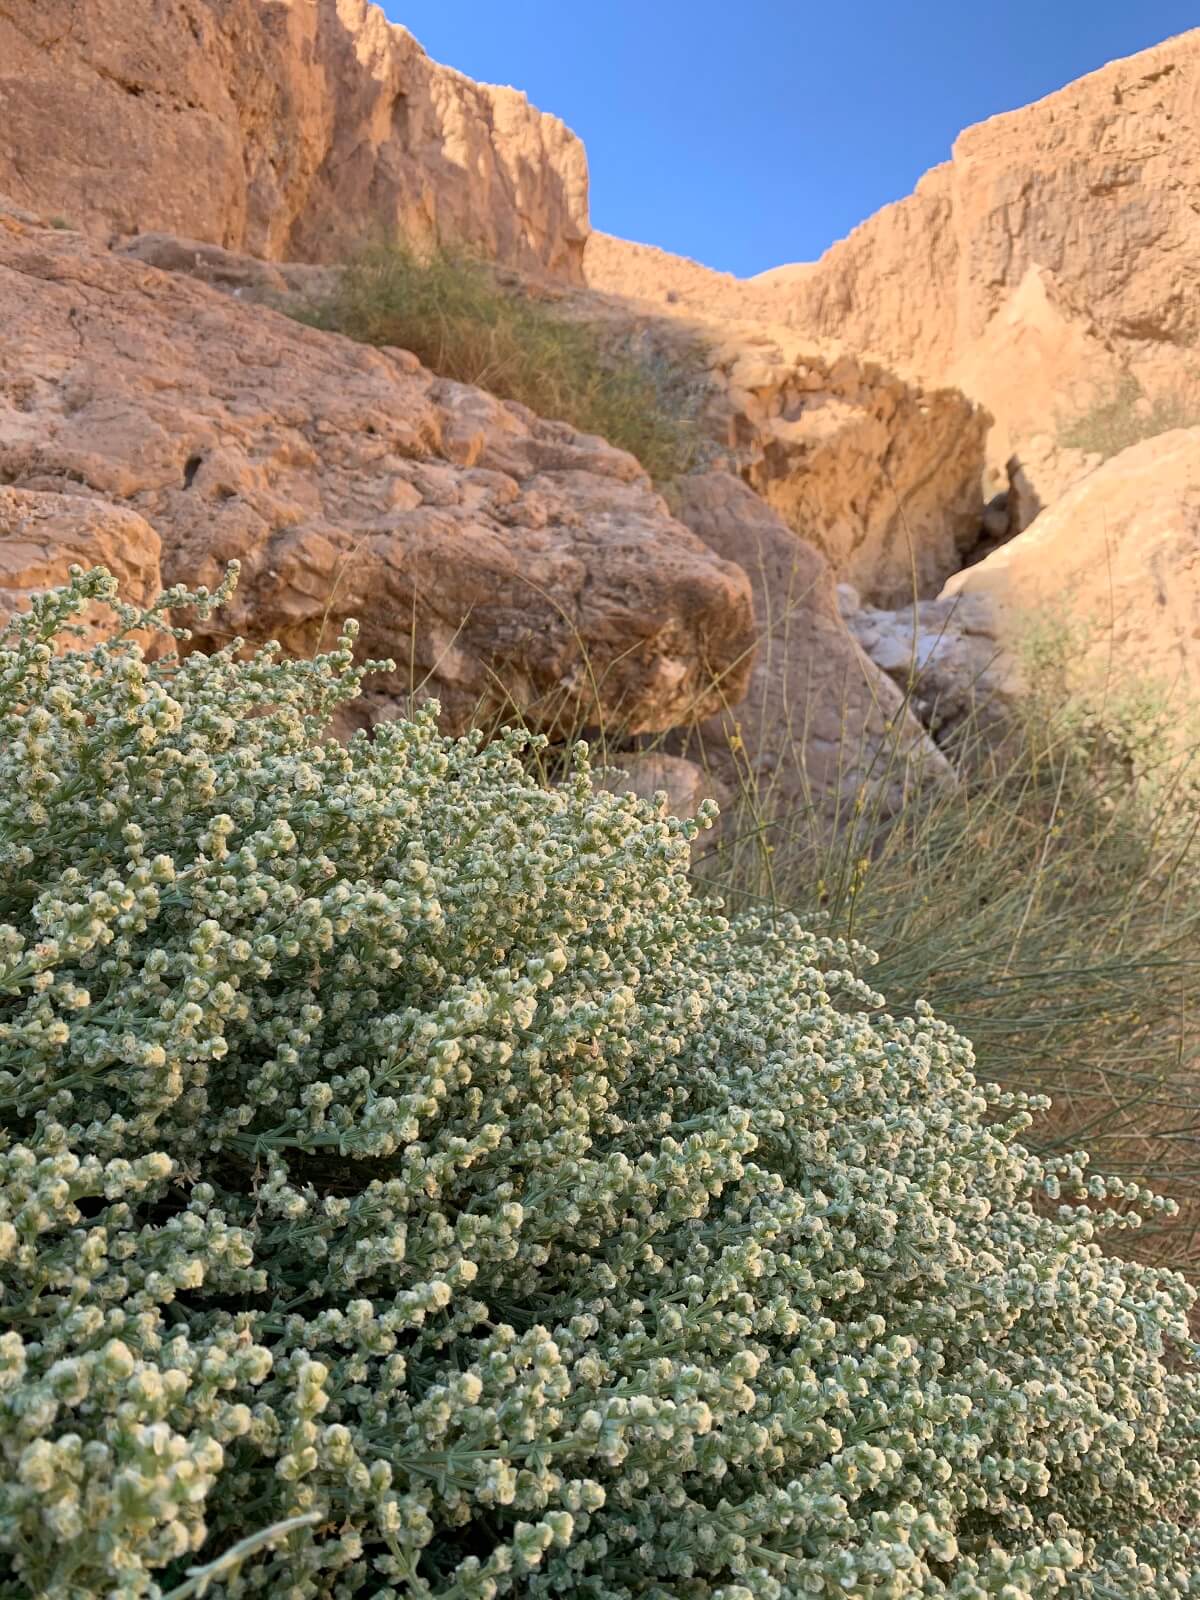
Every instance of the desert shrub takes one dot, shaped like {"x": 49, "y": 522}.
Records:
{"x": 463, "y": 322}
{"x": 410, "y": 1187}
{"x": 1124, "y": 416}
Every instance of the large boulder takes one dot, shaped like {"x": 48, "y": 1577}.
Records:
{"x": 1119, "y": 554}
{"x": 510, "y": 565}
{"x": 822, "y": 734}
{"x": 286, "y": 130}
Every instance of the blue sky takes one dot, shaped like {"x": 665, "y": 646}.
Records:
{"x": 753, "y": 132}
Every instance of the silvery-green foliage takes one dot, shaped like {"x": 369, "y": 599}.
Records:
{"x": 399, "y": 1151}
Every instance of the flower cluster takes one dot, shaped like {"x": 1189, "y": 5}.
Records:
{"x": 411, "y": 1188}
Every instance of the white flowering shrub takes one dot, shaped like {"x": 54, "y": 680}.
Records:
{"x": 410, "y": 1188}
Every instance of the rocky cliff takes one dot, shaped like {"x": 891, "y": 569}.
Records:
{"x": 1051, "y": 263}
{"x": 1094, "y": 185}
{"x": 1054, "y": 256}
{"x": 1118, "y": 558}
{"x": 190, "y": 151}
{"x": 280, "y": 127}
{"x": 154, "y": 416}
{"x": 287, "y": 130}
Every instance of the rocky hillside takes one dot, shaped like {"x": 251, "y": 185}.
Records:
{"x": 1058, "y": 250}
{"x": 507, "y": 563}
{"x": 922, "y": 281}
{"x": 1049, "y": 273}
{"x": 859, "y": 412}
{"x": 166, "y": 425}
{"x": 301, "y": 127}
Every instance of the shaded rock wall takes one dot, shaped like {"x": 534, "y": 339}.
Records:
{"x": 884, "y": 475}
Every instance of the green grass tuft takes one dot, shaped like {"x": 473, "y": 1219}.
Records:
{"x": 463, "y": 323}
{"x": 1123, "y": 417}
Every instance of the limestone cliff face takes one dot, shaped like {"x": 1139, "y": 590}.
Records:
{"x": 284, "y": 128}
{"x": 1120, "y": 556}
{"x": 881, "y": 475}
{"x": 1053, "y": 259}
{"x": 1094, "y": 191}
{"x": 1055, "y": 253}
{"x": 1096, "y": 185}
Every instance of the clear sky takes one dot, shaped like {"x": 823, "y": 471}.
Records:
{"x": 749, "y": 133}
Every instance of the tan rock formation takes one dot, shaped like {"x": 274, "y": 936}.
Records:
{"x": 510, "y": 565}
{"x": 1056, "y": 255}
{"x": 42, "y": 535}
{"x": 884, "y": 476}
{"x": 821, "y": 728}
{"x": 1088, "y": 185}
{"x": 302, "y": 123}
{"x": 283, "y": 129}
{"x": 1119, "y": 553}
{"x": 1057, "y": 249}
{"x": 1041, "y": 365}
{"x": 658, "y": 278}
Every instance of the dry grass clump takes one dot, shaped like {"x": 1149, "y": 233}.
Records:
{"x": 1048, "y": 906}
{"x": 1125, "y": 416}
{"x": 463, "y": 322}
